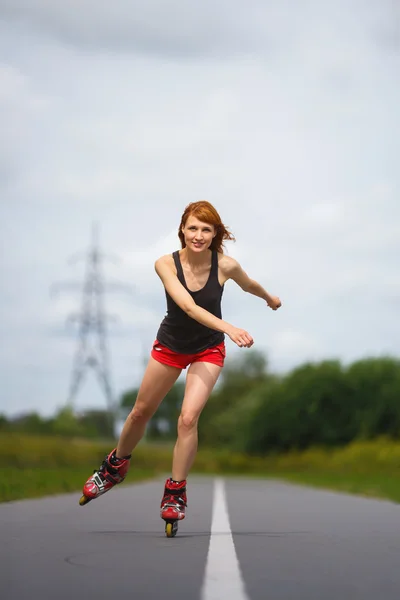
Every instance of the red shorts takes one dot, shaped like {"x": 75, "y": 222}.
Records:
{"x": 214, "y": 355}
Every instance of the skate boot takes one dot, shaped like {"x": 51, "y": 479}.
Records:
{"x": 111, "y": 471}
{"x": 173, "y": 505}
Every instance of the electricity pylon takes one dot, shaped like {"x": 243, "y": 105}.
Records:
{"x": 92, "y": 353}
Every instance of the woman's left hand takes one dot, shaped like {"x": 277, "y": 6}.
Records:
{"x": 274, "y": 302}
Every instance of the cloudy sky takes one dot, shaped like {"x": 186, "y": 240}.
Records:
{"x": 283, "y": 114}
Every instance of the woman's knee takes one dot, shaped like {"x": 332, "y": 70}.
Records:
{"x": 140, "y": 413}
{"x": 187, "y": 421}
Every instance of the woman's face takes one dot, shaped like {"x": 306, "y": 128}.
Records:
{"x": 198, "y": 235}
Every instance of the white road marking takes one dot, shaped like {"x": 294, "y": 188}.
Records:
{"x": 223, "y": 578}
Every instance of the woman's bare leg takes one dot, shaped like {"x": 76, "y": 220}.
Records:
{"x": 200, "y": 382}
{"x": 158, "y": 379}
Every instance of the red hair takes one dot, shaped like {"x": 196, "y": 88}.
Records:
{"x": 204, "y": 211}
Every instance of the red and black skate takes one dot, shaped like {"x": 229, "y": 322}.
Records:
{"x": 173, "y": 505}
{"x": 111, "y": 471}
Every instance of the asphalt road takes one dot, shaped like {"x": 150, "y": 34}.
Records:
{"x": 243, "y": 539}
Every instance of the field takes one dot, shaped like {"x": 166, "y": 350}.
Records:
{"x": 32, "y": 466}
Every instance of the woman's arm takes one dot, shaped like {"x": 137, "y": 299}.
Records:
{"x": 185, "y": 301}
{"x": 232, "y": 270}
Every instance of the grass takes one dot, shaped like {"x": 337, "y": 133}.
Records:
{"x": 372, "y": 485}
{"x": 39, "y": 482}
{"x": 33, "y": 466}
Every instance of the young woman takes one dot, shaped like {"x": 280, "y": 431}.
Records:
{"x": 191, "y": 335}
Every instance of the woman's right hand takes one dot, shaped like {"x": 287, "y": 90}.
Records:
{"x": 240, "y": 337}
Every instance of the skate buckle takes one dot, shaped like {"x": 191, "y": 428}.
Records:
{"x": 98, "y": 481}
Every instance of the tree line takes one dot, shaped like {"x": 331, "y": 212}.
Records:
{"x": 91, "y": 424}
{"x": 325, "y": 404}
{"x": 256, "y": 411}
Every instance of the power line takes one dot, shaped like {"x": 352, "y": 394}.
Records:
{"x": 92, "y": 319}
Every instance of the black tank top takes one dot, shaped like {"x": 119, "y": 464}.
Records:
{"x": 181, "y": 333}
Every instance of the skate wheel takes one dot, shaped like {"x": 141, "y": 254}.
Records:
{"x": 171, "y": 529}
{"x": 84, "y": 500}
